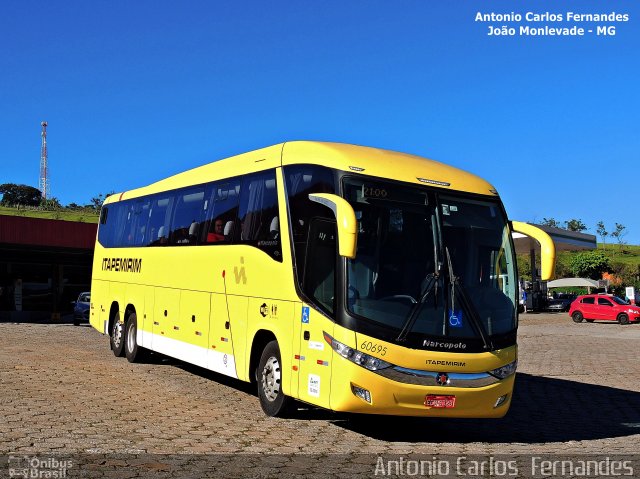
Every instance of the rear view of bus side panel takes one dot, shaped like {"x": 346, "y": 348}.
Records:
{"x": 99, "y": 309}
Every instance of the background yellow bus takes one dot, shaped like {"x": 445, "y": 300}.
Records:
{"x": 351, "y": 278}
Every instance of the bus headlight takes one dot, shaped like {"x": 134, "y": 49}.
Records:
{"x": 505, "y": 371}
{"x": 355, "y": 356}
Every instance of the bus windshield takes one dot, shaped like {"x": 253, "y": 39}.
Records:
{"x": 430, "y": 266}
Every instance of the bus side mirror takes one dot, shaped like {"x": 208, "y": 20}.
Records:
{"x": 345, "y": 219}
{"x": 547, "y": 248}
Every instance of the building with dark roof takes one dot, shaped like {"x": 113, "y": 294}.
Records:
{"x": 44, "y": 265}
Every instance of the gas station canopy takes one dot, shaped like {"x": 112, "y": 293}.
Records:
{"x": 564, "y": 240}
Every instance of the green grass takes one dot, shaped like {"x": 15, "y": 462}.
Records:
{"x": 81, "y": 215}
{"x": 628, "y": 254}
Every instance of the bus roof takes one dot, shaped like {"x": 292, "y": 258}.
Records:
{"x": 360, "y": 159}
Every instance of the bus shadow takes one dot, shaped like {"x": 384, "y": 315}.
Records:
{"x": 228, "y": 381}
{"x": 543, "y": 410}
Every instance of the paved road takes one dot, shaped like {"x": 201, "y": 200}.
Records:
{"x": 63, "y": 391}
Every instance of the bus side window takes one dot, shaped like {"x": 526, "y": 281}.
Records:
{"x": 142, "y": 216}
{"x": 222, "y": 219}
{"x": 119, "y": 228}
{"x": 136, "y": 222}
{"x": 157, "y": 230}
{"x": 319, "y": 278}
{"x": 259, "y": 213}
{"x": 300, "y": 181}
{"x": 105, "y": 231}
{"x": 187, "y": 216}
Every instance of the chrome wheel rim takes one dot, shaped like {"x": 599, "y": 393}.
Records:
{"x": 271, "y": 379}
{"x": 131, "y": 338}
{"x": 117, "y": 333}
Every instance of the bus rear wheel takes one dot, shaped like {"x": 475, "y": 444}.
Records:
{"x": 132, "y": 351}
{"x": 269, "y": 376}
{"x": 117, "y": 336}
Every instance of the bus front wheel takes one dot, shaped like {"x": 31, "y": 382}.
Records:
{"x": 269, "y": 376}
{"x": 117, "y": 336}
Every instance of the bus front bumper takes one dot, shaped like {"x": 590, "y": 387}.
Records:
{"x": 357, "y": 390}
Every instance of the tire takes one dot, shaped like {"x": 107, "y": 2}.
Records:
{"x": 577, "y": 317}
{"x": 117, "y": 336}
{"x": 269, "y": 375}
{"x": 623, "y": 318}
{"x": 132, "y": 351}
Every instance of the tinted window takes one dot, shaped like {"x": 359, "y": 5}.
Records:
{"x": 105, "y": 230}
{"x": 300, "y": 181}
{"x": 222, "y": 223}
{"x": 157, "y": 231}
{"x": 319, "y": 277}
{"x": 258, "y": 213}
{"x": 587, "y": 301}
{"x": 117, "y": 223}
{"x": 103, "y": 214}
{"x": 135, "y": 223}
{"x": 604, "y": 302}
{"x": 187, "y": 215}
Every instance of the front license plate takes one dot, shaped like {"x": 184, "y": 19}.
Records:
{"x": 439, "y": 401}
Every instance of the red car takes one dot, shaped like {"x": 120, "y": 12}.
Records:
{"x": 597, "y": 306}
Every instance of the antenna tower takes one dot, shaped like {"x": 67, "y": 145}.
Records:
{"x": 44, "y": 169}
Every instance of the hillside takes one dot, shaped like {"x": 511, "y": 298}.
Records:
{"x": 84, "y": 215}
{"x": 624, "y": 264}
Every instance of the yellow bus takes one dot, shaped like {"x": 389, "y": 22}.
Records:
{"x": 350, "y": 278}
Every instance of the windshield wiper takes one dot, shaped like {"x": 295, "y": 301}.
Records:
{"x": 431, "y": 282}
{"x": 466, "y": 304}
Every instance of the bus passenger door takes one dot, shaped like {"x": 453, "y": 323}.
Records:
{"x": 314, "y": 378}
{"x": 314, "y": 360}
{"x": 220, "y": 356}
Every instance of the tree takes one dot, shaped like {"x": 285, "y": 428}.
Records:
{"x": 52, "y": 203}
{"x": 590, "y": 264}
{"x": 629, "y": 274}
{"x": 524, "y": 266}
{"x": 602, "y": 232}
{"x": 619, "y": 233}
{"x": 575, "y": 225}
{"x": 563, "y": 266}
{"x": 96, "y": 201}
{"x": 550, "y": 222}
{"x": 23, "y": 195}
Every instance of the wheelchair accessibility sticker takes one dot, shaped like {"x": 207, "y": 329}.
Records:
{"x": 305, "y": 314}
{"x": 455, "y": 319}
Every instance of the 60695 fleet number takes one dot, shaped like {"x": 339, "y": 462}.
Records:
{"x": 373, "y": 347}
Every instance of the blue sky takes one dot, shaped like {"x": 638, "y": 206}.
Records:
{"x": 134, "y": 91}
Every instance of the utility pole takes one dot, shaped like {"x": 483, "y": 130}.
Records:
{"x": 44, "y": 169}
